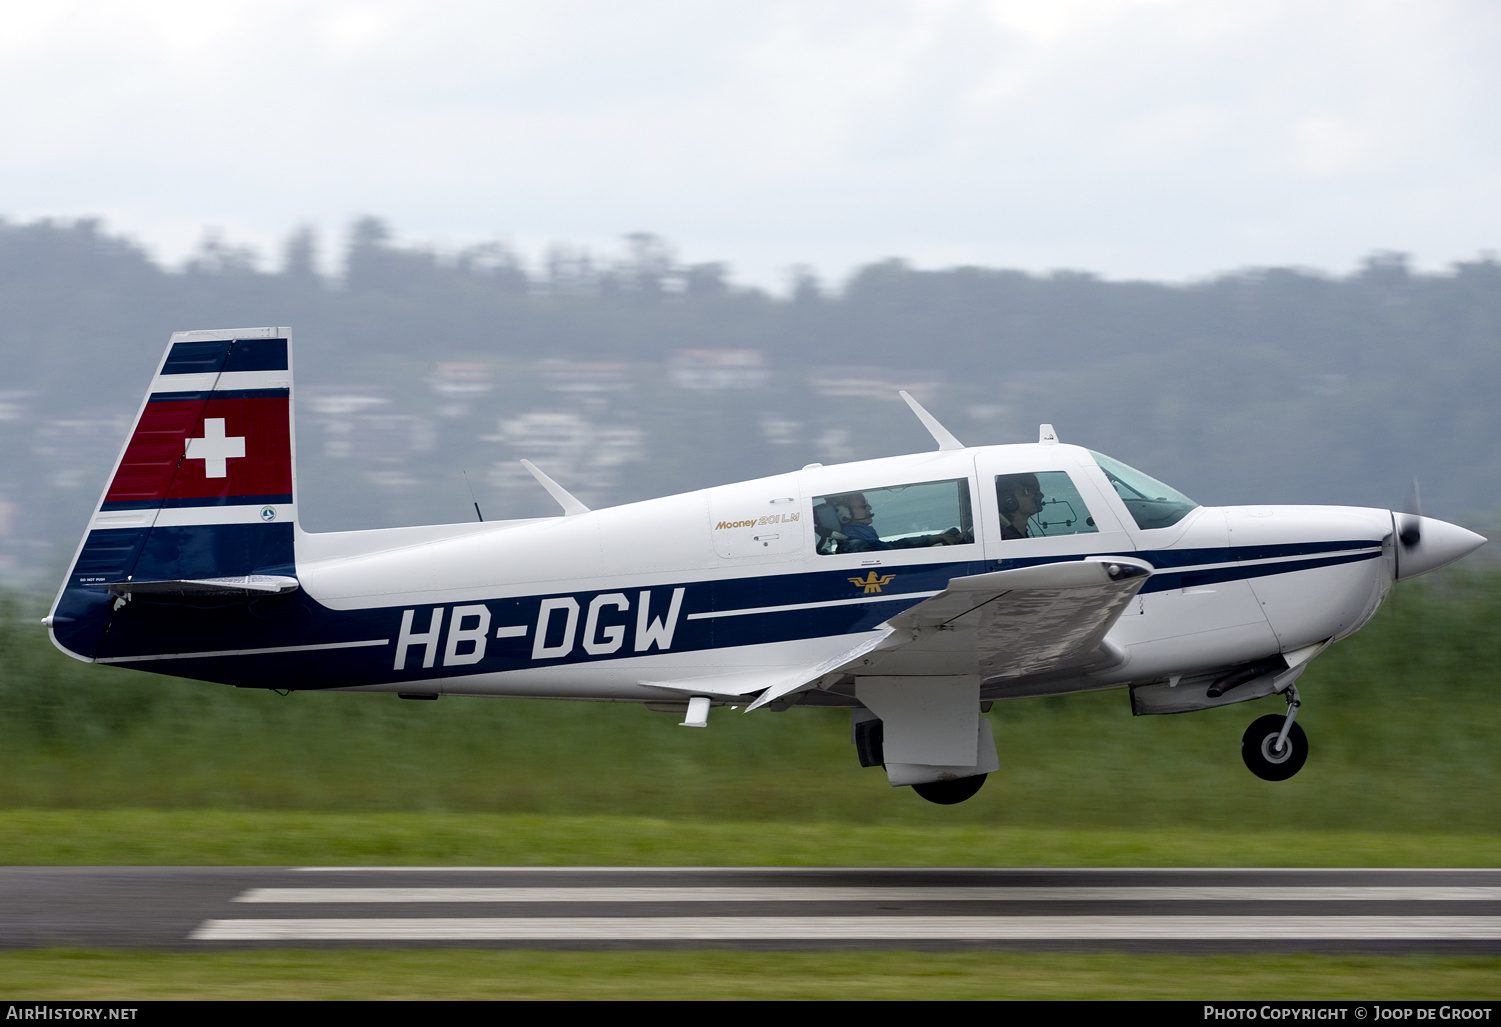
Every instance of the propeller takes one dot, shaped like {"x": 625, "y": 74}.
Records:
{"x": 1410, "y": 523}
{"x": 1423, "y": 543}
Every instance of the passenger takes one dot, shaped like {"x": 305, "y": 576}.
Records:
{"x": 855, "y": 517}
{"x": 1020, "y": 499}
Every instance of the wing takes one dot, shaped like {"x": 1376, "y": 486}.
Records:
{"x": 1017, "y": 623}
{"x": 1003, "y": 625}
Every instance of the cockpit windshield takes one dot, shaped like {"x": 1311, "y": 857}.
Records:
{"x": 1152, "y": 504}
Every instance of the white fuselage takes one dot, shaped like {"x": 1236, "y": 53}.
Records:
{"x": 1231, "y": 585}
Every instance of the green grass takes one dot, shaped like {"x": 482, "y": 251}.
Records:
{"x": 1404, "y": 721}
{"x": 122, "y": 837}
{"x": 717, "y": 974}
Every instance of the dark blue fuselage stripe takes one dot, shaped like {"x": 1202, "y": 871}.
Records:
{"x": 1164, "y": 560}
{"x": 1166, "y": 580}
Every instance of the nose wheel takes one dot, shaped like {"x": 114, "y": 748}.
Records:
{"x": 1273, "y": 747}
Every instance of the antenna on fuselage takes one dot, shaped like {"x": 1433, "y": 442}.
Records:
{"x": 473, "y": 497}
{"x": 565, "y": 498}
{"x": 941, "y": 435}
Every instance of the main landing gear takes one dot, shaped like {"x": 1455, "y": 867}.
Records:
{"x": 1273, "y": 747}
{"x": 948, "y": 793}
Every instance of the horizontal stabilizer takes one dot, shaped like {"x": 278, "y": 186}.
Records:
{"x": 244, "y": 585}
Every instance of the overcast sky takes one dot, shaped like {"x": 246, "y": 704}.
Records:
{"x": 1166, "y": 139}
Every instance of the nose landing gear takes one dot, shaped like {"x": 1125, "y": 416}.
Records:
{"x": 1273, "y": 747}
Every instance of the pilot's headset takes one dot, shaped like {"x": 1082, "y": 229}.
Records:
{"x": 841, "y": 508}
{"x": 1011, "y": 486}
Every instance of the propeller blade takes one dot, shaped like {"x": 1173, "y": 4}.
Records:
{"x": 1410, "y": 529}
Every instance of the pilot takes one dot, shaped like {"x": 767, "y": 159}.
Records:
{"x": 1020, "y": 499}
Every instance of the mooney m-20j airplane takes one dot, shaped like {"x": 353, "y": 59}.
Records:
{"x": 913, "y": 590}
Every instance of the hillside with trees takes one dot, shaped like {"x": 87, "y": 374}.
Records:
{"x": 632, "y": 374}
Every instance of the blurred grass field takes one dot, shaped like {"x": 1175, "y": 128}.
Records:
{"x": 1404, "y": 721}
{"x": 104, "y": 766}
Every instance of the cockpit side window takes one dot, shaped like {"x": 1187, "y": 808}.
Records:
{"x": 917, "y": 516}
{"x": 1041, "y": 504}
{"x": 1151, "y": 503}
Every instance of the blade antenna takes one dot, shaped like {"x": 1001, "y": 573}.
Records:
{"x": 941, "y": 435}
{"x": 570, "y": 505}
{"x": 473, "y": 497}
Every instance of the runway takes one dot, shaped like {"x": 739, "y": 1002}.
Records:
{"x": 188, "y": 908}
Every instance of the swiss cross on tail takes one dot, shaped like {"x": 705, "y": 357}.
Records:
{"x": 227, "y": 446}
{"x": 215, "y": 430}
{"x": 214, "y": 449}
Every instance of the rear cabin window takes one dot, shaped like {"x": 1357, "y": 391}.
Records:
{"x": 1041, "y": 504}
{"x": 931, "y": 513}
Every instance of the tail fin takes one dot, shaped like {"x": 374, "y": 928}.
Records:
{"x": 202, "y": 500}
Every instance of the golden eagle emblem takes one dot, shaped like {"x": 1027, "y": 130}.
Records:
{"x": 871, "y": 583}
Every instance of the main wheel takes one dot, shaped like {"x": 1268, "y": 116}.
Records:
{"x": 947, "y": 793}
{"x": 1258, "y": 748}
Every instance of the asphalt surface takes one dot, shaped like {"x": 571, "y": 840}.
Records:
{"x": 201, "y": 908}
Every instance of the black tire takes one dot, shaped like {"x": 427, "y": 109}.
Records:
{"x": 948, "y": 793}
{"x": 1256, "y": 748}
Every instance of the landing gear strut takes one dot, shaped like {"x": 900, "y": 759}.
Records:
{"x": 1273, "y": 747}
{"x": 947, "y": 793}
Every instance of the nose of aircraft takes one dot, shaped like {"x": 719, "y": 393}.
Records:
{"x": 1436, "y": 543}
